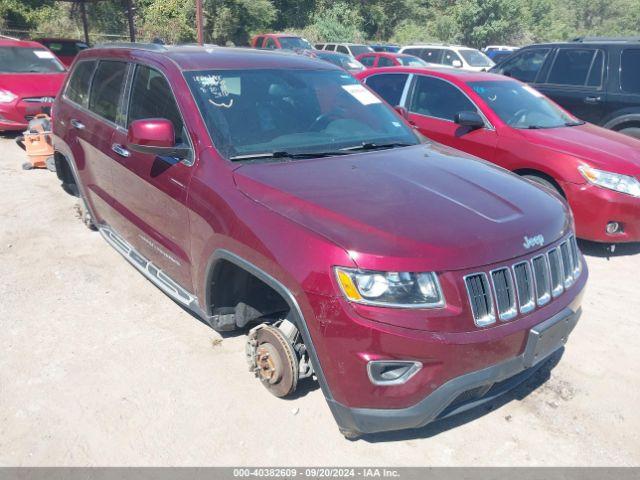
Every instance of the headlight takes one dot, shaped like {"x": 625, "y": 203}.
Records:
{"x": 6, "y": 96}
{"x": 612, "y": 181}
{"x": 390, "y": 289}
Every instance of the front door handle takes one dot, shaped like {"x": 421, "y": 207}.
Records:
{"x": 592, "y": 100}
{"x": 78, "y": 125}
{"x": 120, "y": 150}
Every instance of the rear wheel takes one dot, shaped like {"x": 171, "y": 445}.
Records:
{"x": 631, "y": 131}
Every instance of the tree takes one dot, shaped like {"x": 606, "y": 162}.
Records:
{"x": 482, "y": 22}
{"x": 338, "y": 23}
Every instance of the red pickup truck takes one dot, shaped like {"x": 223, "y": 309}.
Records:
{"x": 275, "y": 193}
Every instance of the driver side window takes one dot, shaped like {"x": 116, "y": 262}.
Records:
{"x": 433, "y": 97}
{"x": 151, "y": 97}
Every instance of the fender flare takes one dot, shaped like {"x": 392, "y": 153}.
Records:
{"x": 61, "y": 147}
{"x": 617, "y": 121}
{"x": 296, "y": 312}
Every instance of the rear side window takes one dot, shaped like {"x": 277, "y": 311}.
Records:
{"x": 78, "y": 87}
{"x": 630, "y": 70}
{"x": 368, "y": 60}
{"x": 385, "y": 62}
{"x": 389, "y": 86}
{"x": 106, "y": 89}
{"x": 258, "y": 42}
{"x": 436, "y": 98}
{"x": 524, "y": 66}
{"x": 572, "y": 66}
{"x": 151, "y": 97}
{"x": 342, "y": 49}
{"x": 431, "y": 55}
{"x": 270, "y": 44}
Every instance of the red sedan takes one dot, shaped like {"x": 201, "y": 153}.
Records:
{"x": 389, "y": 59}
{"x": 513, "y": 125}
{"x": 30, "y": 78}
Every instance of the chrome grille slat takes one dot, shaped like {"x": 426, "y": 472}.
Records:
{"x": 505, "y": 294}
{"x": 542, "y": 280}
{"x": 567, "y": 264}
{"x": 556, "y": 268}
{"x": 524, "y": 286}
{"x": 480, "y": 299}
{"x": 505, "y": 291}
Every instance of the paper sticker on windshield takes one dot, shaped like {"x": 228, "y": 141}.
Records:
{"x": 532, "y": 91}
{"x": 364, "y": 96}
{"x": 43, "y": 54}
{"x": 215, "y": 87}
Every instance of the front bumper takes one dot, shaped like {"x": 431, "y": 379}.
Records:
{"x": 593, "y": 207}
{"x": 469, "y": 390}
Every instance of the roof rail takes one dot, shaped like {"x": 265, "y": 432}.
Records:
{"x": 138, "y": 46}
{"x": 606, "y": 39}
{"x": 9, "y": 38}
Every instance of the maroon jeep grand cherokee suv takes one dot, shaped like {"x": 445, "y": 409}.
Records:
{"x": 274, "y": 191}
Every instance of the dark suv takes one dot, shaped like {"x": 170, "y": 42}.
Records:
{"x": 596, "y": 79}
{"x": 275, "y": 192}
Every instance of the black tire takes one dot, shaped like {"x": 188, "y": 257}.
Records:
{"x": 27, "y": 166}
{"x": 631, "y": 131}
{"x": 543, "y": 182}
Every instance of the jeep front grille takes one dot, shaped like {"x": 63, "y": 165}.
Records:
{"x": 480, "y": 297}
{"x": 524, "y": 285}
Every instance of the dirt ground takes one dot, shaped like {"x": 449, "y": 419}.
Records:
{"x": 99, "y": 367}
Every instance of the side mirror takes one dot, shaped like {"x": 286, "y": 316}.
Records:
{"x": 457, "y": 64}
{"x": 402, "y": 111}
{"x": 473, "y": 120}
{"x": 155, "y": 136}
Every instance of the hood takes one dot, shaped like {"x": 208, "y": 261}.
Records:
{"x": 32, "y": 84}
{"x": 414, "y": 208}
{"x": 601, "y": 148}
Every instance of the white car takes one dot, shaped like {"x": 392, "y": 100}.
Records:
{"x": 454, "y": 56}
{"x": 353, "y": 49}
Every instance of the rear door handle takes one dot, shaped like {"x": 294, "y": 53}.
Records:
{"x": 120, "y": 150}
{"x": 592, "y": 99}
{"x": 77, "y": 124}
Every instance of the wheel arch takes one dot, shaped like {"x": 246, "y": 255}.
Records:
{"x": 296, "y": 316}
{"x": 541, "y": 174}
{"x": 622, "y": 120}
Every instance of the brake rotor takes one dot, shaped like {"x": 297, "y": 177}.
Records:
{"x": 276, "y": 362}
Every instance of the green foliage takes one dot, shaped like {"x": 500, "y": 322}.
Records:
{"x": 471, "y": 22}
{"x": 484, "y": 22}
{"x": 337, "y": 23}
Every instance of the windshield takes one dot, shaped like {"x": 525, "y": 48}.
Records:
{"x": 475, "y": 58}
{"x": 410, "y": 61}
{"x": 521, "y": 106}
{"x": 295, "y": 111}
{"x": 28, "y": 60}
{"x": 293, "y": 43}
{"x": 359, "y": 49}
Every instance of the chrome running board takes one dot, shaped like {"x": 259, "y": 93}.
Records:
{"x": 149, "y": 270}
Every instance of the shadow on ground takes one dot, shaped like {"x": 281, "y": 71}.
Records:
{"x": 520, "y": 392}
{"x": 605, "y": 250}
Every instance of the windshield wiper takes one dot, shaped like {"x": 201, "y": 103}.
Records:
{"x": 283, "y": 154}
{"x": 377, "y": 146}
{"x": 574, "y": 124}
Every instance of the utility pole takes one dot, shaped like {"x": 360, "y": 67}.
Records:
{"x": 85, "y": 22}
{"x": 132, "y": 26}
{"x": 199, "y": 26}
